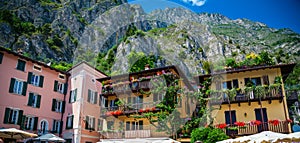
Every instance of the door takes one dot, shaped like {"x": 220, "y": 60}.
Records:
{"x": 261, "y": 115}
{"x": 230, "y": 119}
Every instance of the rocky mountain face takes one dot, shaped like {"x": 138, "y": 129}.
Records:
{"x": 48, "y": 29}
{"x": 105, "y": 34}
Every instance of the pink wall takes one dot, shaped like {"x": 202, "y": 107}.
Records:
{"x": 8, "y": 71}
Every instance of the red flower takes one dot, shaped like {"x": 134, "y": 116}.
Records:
{"x": 240, "y": 124}
{"x": 221, "y": 126}
{"x": 289, "y": 120}
{"x": 153, "y": 109}
{"x": 141, "y": 110}
{"x": 274, "y": 122}
{"x": 256, "y": 122}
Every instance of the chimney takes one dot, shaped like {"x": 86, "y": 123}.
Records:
{"x": 147, "y": 67}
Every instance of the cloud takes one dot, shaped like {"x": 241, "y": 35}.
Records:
{"x": 195, "y": 2}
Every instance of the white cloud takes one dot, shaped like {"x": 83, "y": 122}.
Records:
{"x": 195, "y": 2}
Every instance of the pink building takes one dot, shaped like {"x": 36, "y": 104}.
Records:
{"x": 32, "y": 94}
{"x": 82, "y": 114}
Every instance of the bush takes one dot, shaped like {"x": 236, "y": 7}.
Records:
{"x": 230, "y": 62}
{"x": 208, "y": 135}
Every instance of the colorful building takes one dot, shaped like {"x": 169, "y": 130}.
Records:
{"x": 126, "y": 98}
{"x": 249, "y": 100}
{"x": 32, "y": 94}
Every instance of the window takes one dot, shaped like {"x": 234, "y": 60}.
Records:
{"x": 92, "y": 96}
{"x": 61, "y": 76}
{"x": 1, "y": 57}
{"x": 58, "y": 106}
{"x": 60, "y": 87}
{"x": 90, "y": 123}
{"x": 17, "y": 87}
{"x": 30, "y": 122}
{"x": 69, "y": 124}
{"x": 43, "y": 127}
{"x": 73, "y": 95}
{"x": 13, "y": 116}
{"x": 21, "y": 65}
{"x": 34, "y": 79}
{"x": 56, "y": 126}
{"x": 104, "y": 101}
{"x": 34, "y": 100}
{"x": 158, "y": 97}
{"x": 110, "y": 125}
{"x": 37, "y": 68}
{"x": 252, "y": 81}
{"x": 134, "y": 125}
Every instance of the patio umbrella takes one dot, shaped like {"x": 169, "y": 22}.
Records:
{"x": 50, "y": 138}
{"x": 13, "y": 133}
{"x": 292, "y": 137}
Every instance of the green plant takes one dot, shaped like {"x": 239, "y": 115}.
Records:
{"x": 208, "y": 135}
{"x": 230, "y": 62}
{"x": 260, "y": 91}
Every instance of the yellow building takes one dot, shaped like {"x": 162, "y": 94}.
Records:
{"x": 124, "y": 97}
{"x": 249, "y": 100}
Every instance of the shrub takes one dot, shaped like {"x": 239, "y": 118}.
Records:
{"x": 208, "y": 135}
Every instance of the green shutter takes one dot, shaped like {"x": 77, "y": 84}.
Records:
{"x": 30, "y": 99}
{"x": 53, "y": 104}
{"x": 61, "y": 126}
{"x": 41, "y": 81}
{"x": 72, "y": 121}
{"x": 75, "y": 96}
{"x": 6, "y": 115}
{"x": 65, "y": 88}
{"x": 20, "y": 117}
{"x": 89, "y": 95}
{"x": 23, "y": 63}
{"x": 63, "y": 107}
{"x": 38, "y": 103}
{"x": 53, "y": 126}
{"x": 87, "y": 122}
{"x": 1, "y": 57}
{"x": 29, "y": 77}
{"x": 70, "y": 97}
{"x": 24, "y": 88}
{"x": 22, "y": 126}
{"x": 93, "y": 127}
{"x": 96, "y": 97}
{"x": 36, "y": 119}
{"x": 55, "y": 85}
{"x": 12, "y": 84}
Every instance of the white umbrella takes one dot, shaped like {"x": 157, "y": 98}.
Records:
{"x": 289, "y": 137}
{"x": 166, "y": 141}
{"x": 13, "y": 133}
{"x": 49, "y": 137}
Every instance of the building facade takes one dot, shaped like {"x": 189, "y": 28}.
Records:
{"x": 32, "y": 94}
{"x": 250, "y": 100}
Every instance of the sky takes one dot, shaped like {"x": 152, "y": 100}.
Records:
{"x": 274, "y": 13}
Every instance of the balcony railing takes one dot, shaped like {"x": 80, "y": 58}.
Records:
{"x": 249, "y": 128}
{"x": 129, "y": 108}
{"x": 126, "y": 87}
{"x": 246, "y": 95}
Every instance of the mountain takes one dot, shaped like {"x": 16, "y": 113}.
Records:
{"x": 107, "y": 33}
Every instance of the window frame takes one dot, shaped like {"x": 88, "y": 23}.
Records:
{"x": 18, "y": 87}
{"x": 69, "y": 122}
{"x": 21, "y": 67}
{"x": 26, "y": 124}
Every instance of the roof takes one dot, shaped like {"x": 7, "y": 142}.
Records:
{"x": 32, "y": 60}
{"x": 84, "y": 62}
{"x": 285, "y": 70}
{"x": 181, "y": 74}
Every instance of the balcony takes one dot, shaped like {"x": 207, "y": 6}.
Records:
{"x": 258, "y": 94}
{"x": 129, "y": 109}
{"x": 250, "y": 128}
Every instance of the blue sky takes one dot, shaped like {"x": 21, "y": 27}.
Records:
{"x": 274, "y": 13}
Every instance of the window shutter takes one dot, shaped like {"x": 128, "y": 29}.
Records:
{"x": 23, "y": 63}
{"x": 22, "y": 126}
{"x": 24, "y": 88}
{"x": 96, "y": 97}
{"x": 20, "y": 117}
{"x": 12, "y": 83}
{"x": 1, "y": 57}
{"x": 53, "y": 126}
{"x": 93, "y": 126}
{"x": 65, "y": 88}
{"x": 87, "y": 122}
{"x": 100, "y": 99}
{"x": 63, "y": 107}
{"x": 30, "y": 99}
{"x": 41, "y": 81}
{"x": 75, "y": 95}
{"x": 89, "y": 95}
{"x": 53, "y": 104}
{"x": 105, "y": 102}
{"x": 29, "y": 77}
{"x": 6, "y": 115}
{"x": 72, "y": 121}
{"x": 55, "y": 85}
{"x": 70, "y": 98}
{"x": 38, "y": 103}
{"x": 35, "y": 122}
{"x": 60, "y": 127}
{"x": 141, "y": 125}
{"x": 67, "y": 122}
